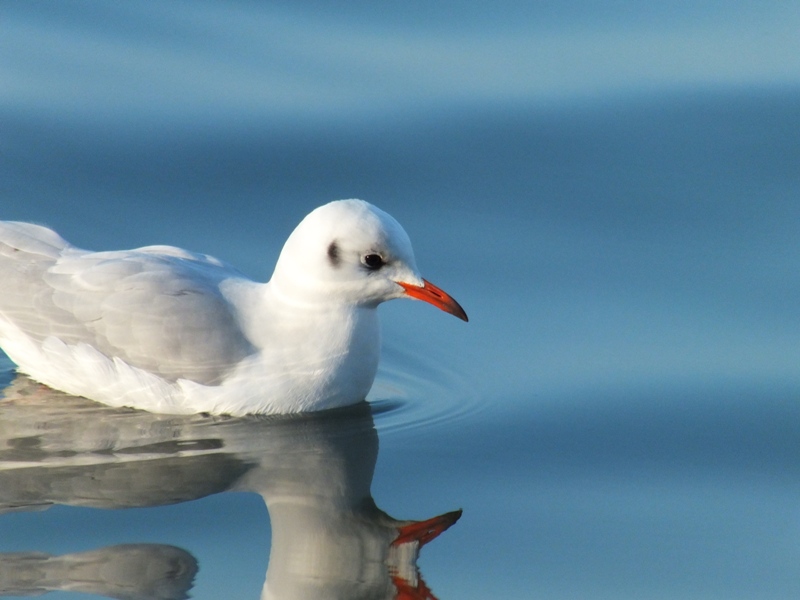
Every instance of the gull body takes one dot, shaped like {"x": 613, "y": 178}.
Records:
{"x": 171, "y": 331}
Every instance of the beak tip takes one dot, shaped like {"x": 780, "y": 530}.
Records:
{"x": 456, "y": 310}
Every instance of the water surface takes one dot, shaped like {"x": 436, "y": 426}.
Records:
{"x": 613, "y": 197}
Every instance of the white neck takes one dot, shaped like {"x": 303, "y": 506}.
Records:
{"x": 328, "y": 355}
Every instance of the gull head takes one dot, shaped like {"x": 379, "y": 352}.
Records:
{"x": 351, "y": 252}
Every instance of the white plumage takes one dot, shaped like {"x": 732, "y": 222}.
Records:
{"x": 167, "y": 330}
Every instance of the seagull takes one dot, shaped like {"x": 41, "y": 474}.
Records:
{"x": 170, "y": 331}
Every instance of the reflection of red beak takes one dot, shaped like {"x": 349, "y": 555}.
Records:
{"x": 423, "y": 532}
{"x": 419, "y": 533}
{"x": 407, "y": 590}
{"x": 433, "y": 295}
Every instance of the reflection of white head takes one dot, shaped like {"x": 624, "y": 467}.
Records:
{"x": 324, "y": 552}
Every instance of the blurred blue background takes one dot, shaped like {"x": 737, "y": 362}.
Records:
{"x": 612, "y": 191}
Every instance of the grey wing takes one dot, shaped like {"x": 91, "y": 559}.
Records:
{"x": 159, "y": 309}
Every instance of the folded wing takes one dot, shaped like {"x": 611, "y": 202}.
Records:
{"x": 157, "y": 308}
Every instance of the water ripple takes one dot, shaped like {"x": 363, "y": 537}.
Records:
{"x": 413, "y": 392}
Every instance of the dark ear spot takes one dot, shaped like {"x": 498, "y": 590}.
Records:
{"x": 333, "y": 254}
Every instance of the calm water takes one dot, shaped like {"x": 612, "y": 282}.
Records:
{"x": 613, "y": 196}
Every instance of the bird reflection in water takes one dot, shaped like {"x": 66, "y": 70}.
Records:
{"x": 329, "y": 539}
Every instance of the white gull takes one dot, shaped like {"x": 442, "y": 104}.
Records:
{"x": 170, "y": 331}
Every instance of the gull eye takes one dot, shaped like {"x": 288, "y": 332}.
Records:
{"x": 372, "y": 261}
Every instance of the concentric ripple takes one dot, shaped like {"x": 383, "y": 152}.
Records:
{"x": 412, "y": 393}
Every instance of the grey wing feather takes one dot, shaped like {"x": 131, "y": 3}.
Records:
{"x": 157, "y": 308}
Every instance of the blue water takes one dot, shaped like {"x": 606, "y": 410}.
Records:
{"x": 611, "y": 194}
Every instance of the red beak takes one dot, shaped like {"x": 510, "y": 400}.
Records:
{"x": 433, "y": 295}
